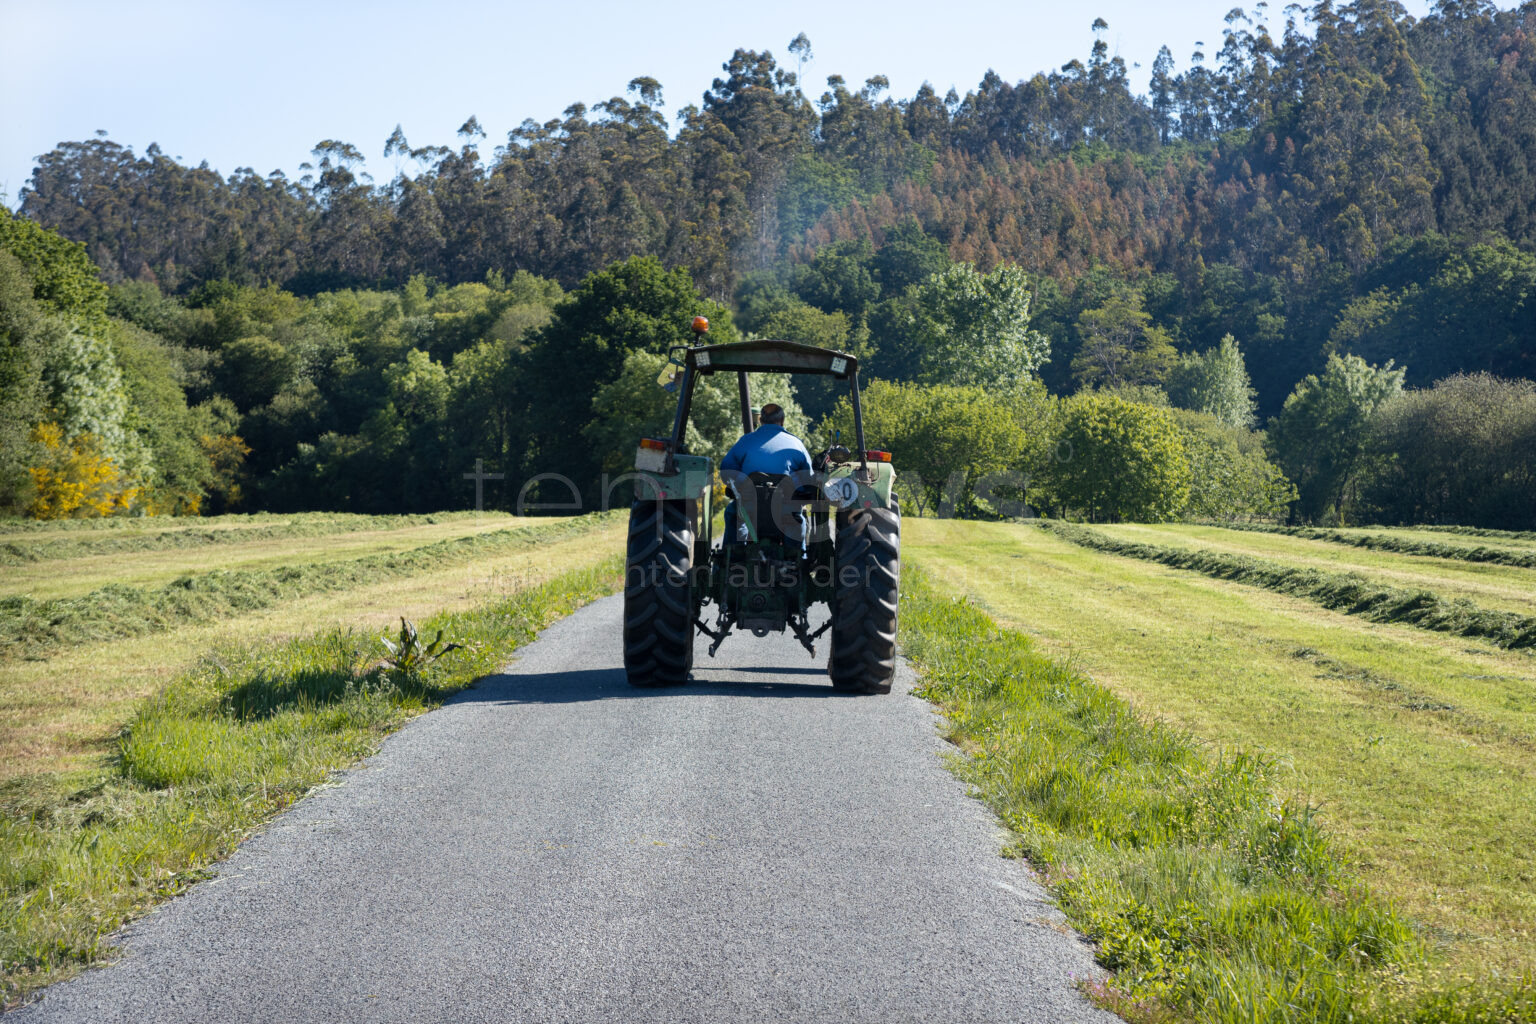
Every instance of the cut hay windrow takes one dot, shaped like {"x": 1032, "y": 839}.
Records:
{"x": 170, "y": 534}
{"x": 1399, "y": 545}
{"x": 1339, "y": 591}
{"x": 35, "y": 629}
{"x": 1479, "y": 531}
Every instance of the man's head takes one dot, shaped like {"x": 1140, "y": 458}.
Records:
{"x": 773, "y": 414}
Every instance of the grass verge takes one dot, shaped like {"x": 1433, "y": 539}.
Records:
{"x": 158, "y": 538}
{"x": 1400, "y": 545}
{"x": 1208, "y": 897}
{"x": 1339, "y": 591}
{"x": 33, "y": 629}
{"x": 221, "y": 750}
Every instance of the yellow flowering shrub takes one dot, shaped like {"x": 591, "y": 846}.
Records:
{"x": 75, "y": 480}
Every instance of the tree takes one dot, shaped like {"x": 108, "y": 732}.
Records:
{"x": 908, "y": 256}
{"x": 253, "y": 371}
{"x": 972, "y": 328}
{"x": 1120, "y": 345}
{"x": 74, "y": 479}
{"x": 840, "y": 279}
{"x": 1320, "y": 438}
{"x": 633, "y": 306}
{"x": 1231, "y": 477}
{"x": 943, "y": 439}
{"x": 1215, "y": 382}
{"x": 63, "y": 278}
{"x": 1120, "y": 461}
{"x": 21, "y": 387}
{"x": 1463, "y": 451}
{"x": 180, "y": 472}
{"x": 633, "y": 406}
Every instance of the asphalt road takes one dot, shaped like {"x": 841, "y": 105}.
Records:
{"x": 554, "y": 845}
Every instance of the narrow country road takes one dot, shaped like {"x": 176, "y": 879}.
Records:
{"x": 554, "y": 845}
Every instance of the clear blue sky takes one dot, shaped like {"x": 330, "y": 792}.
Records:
{"x": 243, "y": 83}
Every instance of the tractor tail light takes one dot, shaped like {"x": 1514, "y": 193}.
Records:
{"x": 873, "y": 456}
{"x": 651, "y": 444}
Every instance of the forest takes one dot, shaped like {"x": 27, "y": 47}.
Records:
{"x": 1295, "y": 279}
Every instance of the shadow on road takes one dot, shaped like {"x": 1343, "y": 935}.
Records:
{"x": 609, "y": 684}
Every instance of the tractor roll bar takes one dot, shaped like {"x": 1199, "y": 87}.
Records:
{"x": 858, "y": 420}
{"x": 746, "y": 401}
{"x": 768, "y": 357}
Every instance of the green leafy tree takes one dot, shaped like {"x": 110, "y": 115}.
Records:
{"x": 1320, "y": 439}
{"x": 943, "y": 439}
{"x": 22, "y": 400}
{"x": 86, "y": 395}
{"x": 252, "y": 371}
{"x": 173, "y": 434}
{"x": 63, "y": 277}
{"x": 798, "y": 321}
{"x": 634, "y": 306}
{"x": 1120, "y": 345}
{"x": 1215, "y": 382}
{"x": 840, "y": 279}
{"x": 1231, "y": 476}
{"x": 1463, "y": 451}
{"x": 908, "y": 256}
{"x": 634, "y": 406}
{"x": 972, "y": 328}
{"x": 1120, "y": 461}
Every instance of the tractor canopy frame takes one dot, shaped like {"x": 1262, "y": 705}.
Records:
{"x": 764, "y": 356}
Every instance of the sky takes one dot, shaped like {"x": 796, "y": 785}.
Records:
{"x": 241, "y": 84}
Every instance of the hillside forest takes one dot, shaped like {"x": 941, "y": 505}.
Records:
{"x": 1295, "y": 279}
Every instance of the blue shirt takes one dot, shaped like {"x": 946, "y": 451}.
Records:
{"x": 768, "y": 449}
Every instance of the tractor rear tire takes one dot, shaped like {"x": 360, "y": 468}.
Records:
{"x": 868, "y": 581}
{"x": 658, "y": 594}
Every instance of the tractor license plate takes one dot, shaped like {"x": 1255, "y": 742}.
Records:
{"x": 649, "y": 460}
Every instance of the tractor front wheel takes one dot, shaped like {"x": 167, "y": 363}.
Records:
{"x": 658, "y": 596}
{"x": 867, "y": 581}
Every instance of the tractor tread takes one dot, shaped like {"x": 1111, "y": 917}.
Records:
{"x": 864, "y": 614}
{"x": 658, "y": 599}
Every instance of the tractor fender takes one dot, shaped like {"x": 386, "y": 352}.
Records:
{"x": 874, "y": 483}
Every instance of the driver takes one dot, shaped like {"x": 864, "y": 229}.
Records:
{"x": 768, "y": 449}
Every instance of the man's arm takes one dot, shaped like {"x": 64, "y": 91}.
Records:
{"x": 735, "y": 457}
{"x": 805, "y": 456}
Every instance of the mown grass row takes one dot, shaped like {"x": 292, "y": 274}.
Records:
{"x": 77, "y": 545}
{"x": 222, "y": 750}
{"x": 111, "y": 524}
{"x": 1208, "y": 897}
{"x": 1399, "y": 545}
{"x": 1478, "y": 531}
{"x": 32, "y": 629}
{"x": 1339, "y": 591}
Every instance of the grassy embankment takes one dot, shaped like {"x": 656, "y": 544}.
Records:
{"x": 128, "y": 766}
{"x": 1418, "y": 746}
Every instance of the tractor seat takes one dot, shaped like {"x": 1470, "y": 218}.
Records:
{"x": 759, "y": 508}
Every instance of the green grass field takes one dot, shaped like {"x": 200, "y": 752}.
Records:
{"x": 61, "y": 707}
{"x": 1419, "y": 747}
{"x": 128, "y": 764}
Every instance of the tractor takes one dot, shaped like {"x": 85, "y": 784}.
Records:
{"x": 829, "y": 536}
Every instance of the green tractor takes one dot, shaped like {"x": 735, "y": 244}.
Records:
{"x": 829, "y": 536}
